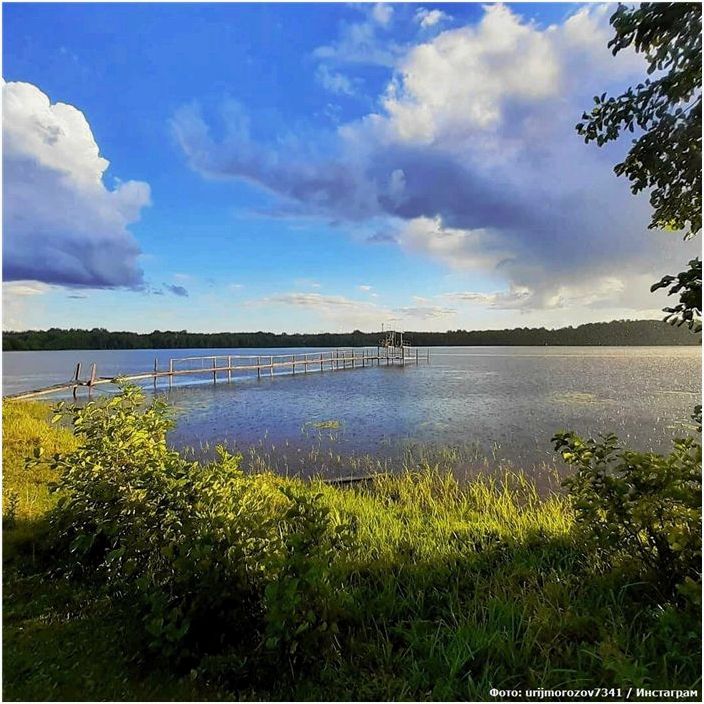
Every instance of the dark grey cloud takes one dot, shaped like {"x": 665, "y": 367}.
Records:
{"x": 435, "y": 183}
{"x": 176, "y": 290}
{"x": 309, "y": 183}
{"x": 527, "y": 224}
{"x": 398, "y": 181}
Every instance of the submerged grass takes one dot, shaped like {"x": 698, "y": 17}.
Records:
{"x": 450, "y": 589}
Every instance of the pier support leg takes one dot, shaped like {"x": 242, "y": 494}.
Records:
{"x": 229, "y": 369}
{"x": 259, "y": 367}
{"x": 76, "y": 378}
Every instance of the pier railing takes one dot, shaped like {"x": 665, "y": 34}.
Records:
{"x": 227, "y": 367}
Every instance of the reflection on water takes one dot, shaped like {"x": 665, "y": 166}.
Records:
{"x": 486, "y": 403}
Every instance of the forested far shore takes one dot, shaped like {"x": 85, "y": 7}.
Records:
{"x": 617, "y": 333}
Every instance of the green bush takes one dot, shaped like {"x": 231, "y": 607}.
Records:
{"x": 641, "y": 507}
{"x": 213, "y": 558}
{"x": 305, "y": 601}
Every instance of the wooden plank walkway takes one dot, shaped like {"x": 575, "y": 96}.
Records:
{"x": 227, "y": 367}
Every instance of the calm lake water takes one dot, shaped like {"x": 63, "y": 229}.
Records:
{"x": 490, "y": 403}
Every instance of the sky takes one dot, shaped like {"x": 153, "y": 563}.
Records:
{"x": 317, "y": 167}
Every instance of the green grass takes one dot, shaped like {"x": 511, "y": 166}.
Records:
{"x": 26, "y": 425}
{"x": 25, "y": 493}
{"x": 448, "y": 590}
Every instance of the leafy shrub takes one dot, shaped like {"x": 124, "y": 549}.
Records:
{"x": 121, "y": 488}
{"x": 211, "y": 557}
{"x": 641, "y": 506}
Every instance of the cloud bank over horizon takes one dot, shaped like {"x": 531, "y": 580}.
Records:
{"x": 471, "y": 158}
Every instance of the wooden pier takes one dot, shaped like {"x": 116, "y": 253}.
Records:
{"x": 231, "y": 367}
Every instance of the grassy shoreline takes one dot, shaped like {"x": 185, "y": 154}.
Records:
{"x": 443, "y": 591}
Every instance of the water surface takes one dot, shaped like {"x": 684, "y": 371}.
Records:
{"x": 502, "y": 402}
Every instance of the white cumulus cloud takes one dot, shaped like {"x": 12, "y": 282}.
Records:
{"x": 334, "y": 81}
{"x": 382, "y": 13}
{"x": 429, "y": 18}
{"x": 360, "y": 42}
{"x": 61, "y": 224}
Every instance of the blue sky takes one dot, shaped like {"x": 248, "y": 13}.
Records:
{"x": 315, "y": 167}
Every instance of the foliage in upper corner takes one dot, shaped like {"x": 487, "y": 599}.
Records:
{"x": 688, "y": 284}
{"x": 666, "y": 157}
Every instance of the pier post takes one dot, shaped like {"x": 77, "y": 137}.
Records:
{"x": 76, "y": 378}
{"x": 156, "y": 366}
{"x": 229, "y": 369}
{"x": 92, "y": 378}
{"x": 305, "y": 363}
{"x": 259, "y": 367}
{"x": 215, "y": 374}
{"x": 321, "y": 361}
{"x": 293, "y": 363}
{"x": 416, "y": 355}
{"x": 171, "y": 372}
{"x": 271, "y": 365}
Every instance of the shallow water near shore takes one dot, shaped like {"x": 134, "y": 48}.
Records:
{"x": 487, "y": 405}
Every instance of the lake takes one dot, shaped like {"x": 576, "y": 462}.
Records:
{"x": 487, "y": 404}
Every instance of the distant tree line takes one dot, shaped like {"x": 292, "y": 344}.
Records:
{"x": 617, "y": 332}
